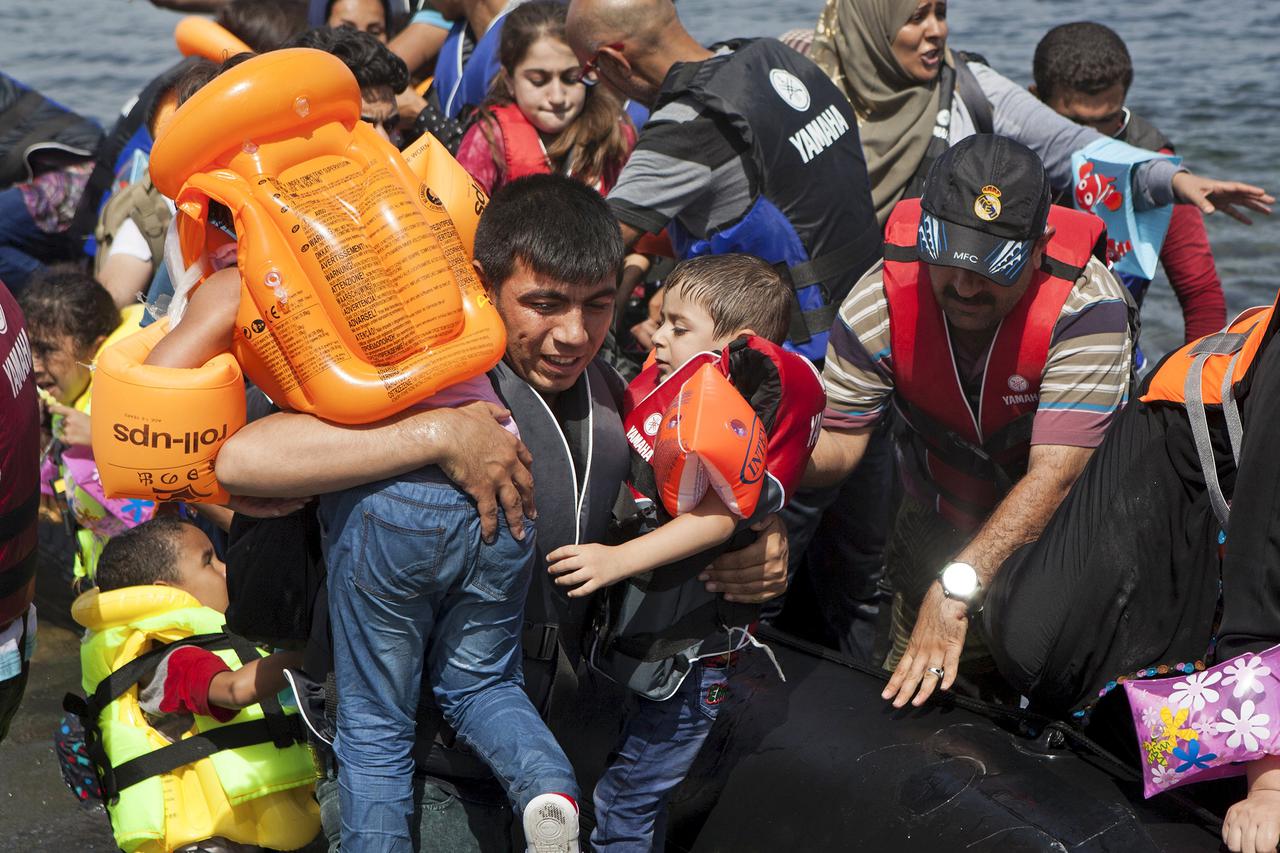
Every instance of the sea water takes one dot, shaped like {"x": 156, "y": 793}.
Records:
{"x": 1204, "y": 74}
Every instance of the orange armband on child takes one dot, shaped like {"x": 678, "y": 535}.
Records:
{"x": 358, "y": 297}
{"x": 156, "y": 430}
{"x": 710, "y": 437}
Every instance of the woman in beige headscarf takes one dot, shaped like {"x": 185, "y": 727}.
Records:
{"x": 891, "y": 58}
{"x": 886, "y": 55}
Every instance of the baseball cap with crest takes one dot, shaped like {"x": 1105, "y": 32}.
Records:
{"x": 985, "y": 202}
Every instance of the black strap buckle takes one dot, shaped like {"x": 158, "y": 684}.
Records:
{"x": 540, "y": 640}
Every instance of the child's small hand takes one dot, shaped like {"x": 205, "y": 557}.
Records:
{"x": 586, "y": 567}
{"x": 73, "y": 428}
{"x": 1253, "y": 824}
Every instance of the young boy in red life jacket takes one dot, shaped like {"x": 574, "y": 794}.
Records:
{"x": 731, "y": 312}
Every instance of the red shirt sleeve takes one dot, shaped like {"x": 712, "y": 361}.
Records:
{"x": 185, "y": 674}
{"x": 1188, "y": 262}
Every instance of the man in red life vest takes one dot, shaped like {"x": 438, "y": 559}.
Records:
{"x": 1003, "y": 342}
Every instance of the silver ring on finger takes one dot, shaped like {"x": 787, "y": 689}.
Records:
{"x": 936, "y": 671}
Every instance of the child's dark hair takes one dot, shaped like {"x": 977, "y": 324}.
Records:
{"x": 373, "y": 63}
{"x": 595, "y": 142}
{"x": 143, "y": 555}
{"x": 202, "y": 73}
{"x": 264, "y": 24}
{"x": 738, "y": 291}
{"x": 556, "y": 226}
{"x": 1082, "y": 57}
{"x": 65, "y": 301}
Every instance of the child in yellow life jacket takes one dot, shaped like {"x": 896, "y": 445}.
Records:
{"x": 665, "y": 637}
{"x": 193, "y": 749}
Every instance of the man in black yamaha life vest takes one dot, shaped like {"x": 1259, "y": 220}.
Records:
{"x": 1003, "y": 341}
{"x": 749, "y": 148}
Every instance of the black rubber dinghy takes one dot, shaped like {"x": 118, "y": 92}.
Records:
{"x": 822, "y": 763}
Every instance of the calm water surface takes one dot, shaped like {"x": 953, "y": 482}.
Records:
{"x": 1202, "y": 75}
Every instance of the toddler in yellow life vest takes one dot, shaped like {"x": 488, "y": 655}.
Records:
{"x": 193, "y": 749}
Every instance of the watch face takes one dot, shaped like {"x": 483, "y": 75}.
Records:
{"x": 960, "y": 580}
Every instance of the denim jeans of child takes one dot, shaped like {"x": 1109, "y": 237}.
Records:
{"x": 659, "y": 742}
{"x": 411, "y": 584}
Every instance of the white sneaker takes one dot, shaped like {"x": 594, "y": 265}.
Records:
{"x": 551, "y": 824}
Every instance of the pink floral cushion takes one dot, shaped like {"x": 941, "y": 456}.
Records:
{"x": 1205, "y": 725}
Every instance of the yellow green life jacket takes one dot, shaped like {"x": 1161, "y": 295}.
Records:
{"x": 229, "y": 780}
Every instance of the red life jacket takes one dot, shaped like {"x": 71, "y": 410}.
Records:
{"x": 524, "y": 154}
{"x": 973, "y": 459}
{"x": 522, "y": 148}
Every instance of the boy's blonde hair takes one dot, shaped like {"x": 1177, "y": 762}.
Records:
{"x": 738, "y": 291}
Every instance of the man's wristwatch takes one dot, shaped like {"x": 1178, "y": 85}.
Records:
{"x": 960, "y": 582}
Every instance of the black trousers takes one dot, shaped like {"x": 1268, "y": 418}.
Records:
{"x": 1127, "y": 573}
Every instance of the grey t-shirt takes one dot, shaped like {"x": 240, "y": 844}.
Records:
{"x": 689, "y": 164}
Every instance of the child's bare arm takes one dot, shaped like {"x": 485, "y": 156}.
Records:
{"x": 1253, "y": 824}
{"x": 207, "y": 325}
{"x": 589, "y": 567}
{"x": 250, "y": 683}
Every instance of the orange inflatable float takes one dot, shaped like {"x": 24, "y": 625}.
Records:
{"x": 710, "y": 436}
{"x": 358, "y": 296}
{"x": 170, "y": 420}
{"x": 198, "y": 36}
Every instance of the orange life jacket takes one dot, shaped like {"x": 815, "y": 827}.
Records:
{"x": 358, "y": 297}
{"x": 1214, "y": 371}
{"x": 973, "y": 458}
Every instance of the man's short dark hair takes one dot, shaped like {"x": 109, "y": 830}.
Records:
{"x": 1082, "y": 57}
{"x": 738, "y": 291}
{"x": 557, "y": 227}
{"x": 373, "y": 63}
{"x": 142, "y": 555}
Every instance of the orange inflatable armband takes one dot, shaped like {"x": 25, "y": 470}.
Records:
{"x": 156, "y": 430}
{"x": 710, "y": 436}
{"x": 445, "y": 182}
{"x": 359, "y": 298}
{"x": 197, "y": 36}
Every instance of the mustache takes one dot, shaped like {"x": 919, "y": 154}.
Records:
{"x": 980, "y": 299}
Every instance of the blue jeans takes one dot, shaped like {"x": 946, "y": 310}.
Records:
{"x": 659, "y": 742}
{"x": 411, "y": 583}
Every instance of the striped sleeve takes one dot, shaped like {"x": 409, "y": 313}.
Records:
{"x": 1088, "y": 370}
{"x": 858, "y": 372}
{"x": 688, "y": 163}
